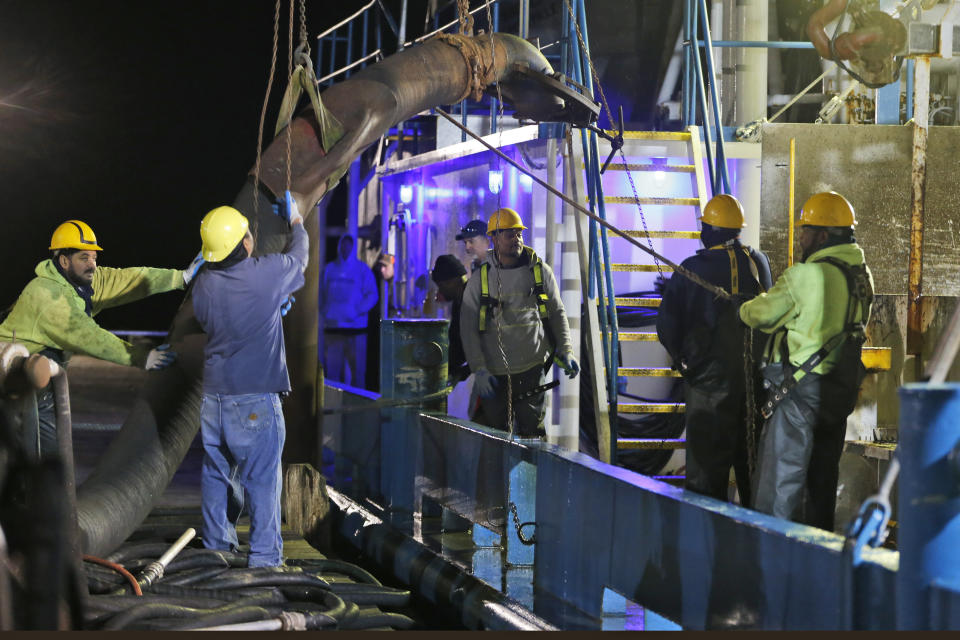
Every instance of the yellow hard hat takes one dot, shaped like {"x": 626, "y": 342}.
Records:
{"x": 221, "y": 231}
{"x": 504, "y": 218}
{"x": 723, "y": 211}
{"x": 74, "y": 234}
{"x": 827, "y": 209}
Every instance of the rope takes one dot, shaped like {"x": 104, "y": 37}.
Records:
{"x": 263, "y": 113}
{"x": 693, "y": 277}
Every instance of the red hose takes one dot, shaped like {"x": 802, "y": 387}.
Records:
{"x": 119, "y": 569}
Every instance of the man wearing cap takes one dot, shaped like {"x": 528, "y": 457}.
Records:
{"x": 514, "y": 328}
{"x": 705, "y": 340}
{"x": 816, "y": 314}
{"x": 54, "y": 314}
{"x": 239, "y": 300}
{"x": 475, "y": 242}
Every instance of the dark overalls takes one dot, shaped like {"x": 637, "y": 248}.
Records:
{"x": 706, "y": 341}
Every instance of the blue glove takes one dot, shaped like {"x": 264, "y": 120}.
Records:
{"x": 286, "y": 304}
{"x": 570, "y": 365}
{"x": 484, "y": 383}
{"x": 160, "y": 358}
{"x": 290, "y": 210}
{"x": 190, "y": 272}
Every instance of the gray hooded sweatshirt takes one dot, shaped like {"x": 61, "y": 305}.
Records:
{"x": 525, "y": 343}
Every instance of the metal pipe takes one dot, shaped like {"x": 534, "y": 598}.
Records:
{"x": 918, "y": 188}
{"x": 154, "y": 571}
{"x": 723, "y": 182}
{"x": 759, "y": 44}
{"x": 347, "y": 19}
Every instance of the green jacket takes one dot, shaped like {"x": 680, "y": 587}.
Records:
{"x": 50, "y": 312}
{"x": 810, "y": 301}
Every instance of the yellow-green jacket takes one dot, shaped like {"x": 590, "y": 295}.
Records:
{"x": 50, "y": 312}
{"x": 810, "y": 301}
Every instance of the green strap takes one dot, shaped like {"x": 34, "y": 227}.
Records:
{"x": 484, "y": 296}
{"x": 303, "y": 79}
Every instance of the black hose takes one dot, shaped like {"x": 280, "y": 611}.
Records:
{"x": 175, "y": 590}
{"x": 235, "y": 616}
{"x": 229, "y": 612}
{"x": 102, "y": 608}
{"x": 234, "y": 580}
{"x": 367, "y": 595}
{"x": 329, "y": 565}
{"x": 193, "y": 576}
{"x": 335, "y": 605}
{"x": 375, "y": 619}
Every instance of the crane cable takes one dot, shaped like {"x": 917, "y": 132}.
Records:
{"x": 263, "y": 115}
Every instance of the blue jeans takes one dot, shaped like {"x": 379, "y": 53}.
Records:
{"x": 243, "y": 438}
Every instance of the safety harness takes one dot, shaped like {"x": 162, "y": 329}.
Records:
{"x": 489, "y": 303}
{"x": 860, "y": 297}
{"x": 734, "y": 270}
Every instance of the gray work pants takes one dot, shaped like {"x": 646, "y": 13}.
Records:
{"x": 528, "y": 413}
{"x": 799, "y": 457}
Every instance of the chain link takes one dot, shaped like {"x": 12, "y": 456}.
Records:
{"x": 499, "y": 319}
{"x": 289, "y": 133}
{"x": 304, "y": 41}
{"x": 465, "y": 17}
{"x": 263, "y": 115}
{"x": 516, "y": 523}
{"x": 749, "y": 376}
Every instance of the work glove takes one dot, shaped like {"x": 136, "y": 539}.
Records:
{"x": 291, "y": 210}
{"x": 286, "y": 304}
{"x": 190, "y": 272}
{"x": 570, "y": 365}
{"x": 160, "y": 358}
{"x": 484, "y": 383}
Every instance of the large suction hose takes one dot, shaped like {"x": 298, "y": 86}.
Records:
{"x": 138, "y": 465}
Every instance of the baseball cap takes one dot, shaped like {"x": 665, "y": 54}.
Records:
{"x": 473, "y": 228}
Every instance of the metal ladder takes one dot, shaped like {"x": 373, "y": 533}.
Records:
{"x": 635, "y": 144}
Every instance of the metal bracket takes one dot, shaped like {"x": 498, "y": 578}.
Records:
{"x": 540, "y": 97}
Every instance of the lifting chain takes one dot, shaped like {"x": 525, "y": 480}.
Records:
{"x": 289, "y": 133}
{"x": 465, "y": 17}
{"x": 516, "y": 523}
{"x": 753, "y": 429}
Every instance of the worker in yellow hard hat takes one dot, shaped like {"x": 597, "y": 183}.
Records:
{"x": 54, "y": 314}
{"x": 705, "y": 340}
{"x": 239, "y": 301}
{"x": 816, "y": 314}
{"x": 513, "y": 322}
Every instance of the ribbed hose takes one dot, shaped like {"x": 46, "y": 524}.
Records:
{"x": 139, "y": 463}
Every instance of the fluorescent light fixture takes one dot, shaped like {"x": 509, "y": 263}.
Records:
{"x": 495, "y": 181}
{"x": 406, "y": 194}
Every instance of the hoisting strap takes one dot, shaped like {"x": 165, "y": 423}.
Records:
{"x": 303, "y": 79}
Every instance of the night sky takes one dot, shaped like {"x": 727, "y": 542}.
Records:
{"x": 136, "y": 117}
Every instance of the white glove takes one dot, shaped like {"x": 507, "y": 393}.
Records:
{"x": 160, "y": 358}
{"x": 484, "y": 383}
{"x": 293, "y": 212}
{"x": 190, "y": 272}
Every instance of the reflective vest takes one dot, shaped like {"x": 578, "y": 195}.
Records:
{"x": 734, "y": 271}
{"x": 488, "y": 302}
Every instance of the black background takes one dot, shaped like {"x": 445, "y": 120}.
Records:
{"x": 137, "y": 117}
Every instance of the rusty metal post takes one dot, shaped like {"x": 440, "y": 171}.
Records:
{"x": 918, "y": 175}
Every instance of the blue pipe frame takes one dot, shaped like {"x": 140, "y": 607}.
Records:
{"x": 604, "y": 281}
